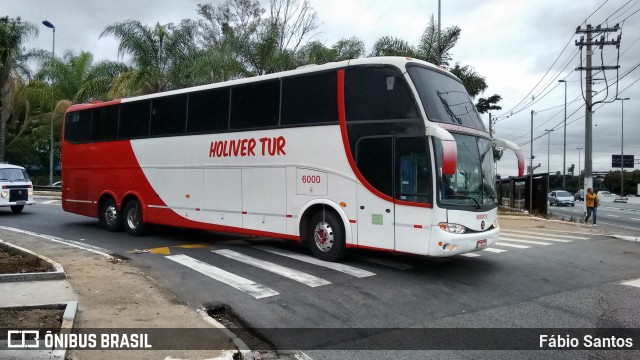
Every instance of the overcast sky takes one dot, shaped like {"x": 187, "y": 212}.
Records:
{"x": 511, "y": 42}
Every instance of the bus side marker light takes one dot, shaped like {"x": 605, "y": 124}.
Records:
{"x": 453, "y": 247}
{"x": 343, "y": 204}
{"x": 187, "y": 196}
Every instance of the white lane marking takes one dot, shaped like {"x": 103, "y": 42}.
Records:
{"x": 292, "y": 274}
{"x": 502, "y": 243}
{"x": 523, "y": 241}
{"x": 94, "y": 249}
{"x": 635, "y": 283}
{"x": 497, "y": 251}
{"x": 254, "y": 289}
{"x": 612, "y": 215}
{"x": 311, "y": 260}
{"x": 537, "y": 237}
{"x": 388, "y": 263}
{"x": 546, "y": 234}
{"x": 48, "y": 202}
{"x": 634, "y": 219}
{"x": 470, "y": 255}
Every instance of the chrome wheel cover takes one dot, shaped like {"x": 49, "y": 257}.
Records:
{"x": 323, "y": 236}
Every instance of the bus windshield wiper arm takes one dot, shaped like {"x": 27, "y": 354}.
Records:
{"x": 466, "y": 197}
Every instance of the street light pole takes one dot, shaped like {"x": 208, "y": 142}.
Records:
{"x": 531, "y": 168}
{"x": 564, "y": 151}
{"x": 622, "y": 149}
{"x": 53, "y": 56}
{"x": 548, "y": 148}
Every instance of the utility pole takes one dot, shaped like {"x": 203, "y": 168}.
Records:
{"x": 579, "y": 157}
{"x": 531, "y": 168}
{"x": 439, "y": 39}
{"x": 588, "y": 133}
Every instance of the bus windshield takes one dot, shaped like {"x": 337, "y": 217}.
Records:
{"x": 473, "y": 184}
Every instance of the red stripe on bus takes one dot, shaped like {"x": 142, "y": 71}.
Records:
{"x": 417, "y": 226}
{"x": 244, "y": 213}
{"x": 289, "y": 216}
{"x": 342, "y": 117}
{"x": 352, "y": 221}
{"x": 356, "y": 246}
{"x": 197, "y": 209}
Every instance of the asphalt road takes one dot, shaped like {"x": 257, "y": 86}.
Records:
{"x": 540, "y": 279}
{"x": 623, "y": 218}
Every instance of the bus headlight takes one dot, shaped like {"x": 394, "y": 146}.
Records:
{"x": 30, "y": 192}
{"x": 495, "y": 224}
{"x": 5, "y": 194}
{"x": 452, "y": 228}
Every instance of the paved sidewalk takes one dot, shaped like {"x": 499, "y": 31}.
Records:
{"x": 110, "y": 294}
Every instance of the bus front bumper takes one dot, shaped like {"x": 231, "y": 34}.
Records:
{"x": 448, "y": 244}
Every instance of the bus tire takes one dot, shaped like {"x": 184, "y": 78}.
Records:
{"x": 326, "y": 236}
{"x": 110, "y": 218}
{"x": 133, "y": 223}
{"x": 17, "y": 209}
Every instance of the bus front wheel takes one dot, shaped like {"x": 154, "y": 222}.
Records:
{"x": 326, "y": 238}
{"x": 110, "y": 218}
{"x": 133, "y": 223}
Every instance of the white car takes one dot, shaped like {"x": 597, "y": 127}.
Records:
{"x": 561, "y": 197}
{"x": 17, "y": 189}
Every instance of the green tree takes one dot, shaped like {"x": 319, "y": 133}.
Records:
{"x": 13, "y": 65}
{"x": 315, "y": 52}
{"x": 78, "y": 79}
{"x": 154, "y": 52}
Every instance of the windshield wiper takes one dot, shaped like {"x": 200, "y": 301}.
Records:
{"x": 466, "y": 197}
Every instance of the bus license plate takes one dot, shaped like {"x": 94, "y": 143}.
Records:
{"x": 21, "y": 202}
{"x": 481, "y": 243}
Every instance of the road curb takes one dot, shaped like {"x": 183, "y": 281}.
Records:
{"x": 68, "y": 320}
{"x": 626, "y": 238}
{"x": 57, "y": 274}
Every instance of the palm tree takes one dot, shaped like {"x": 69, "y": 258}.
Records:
{"x": 13, "y": 65}
{"x": 76, "y": 78}
{"x": 430, "y": 50}
{"x": 152, "y": 51}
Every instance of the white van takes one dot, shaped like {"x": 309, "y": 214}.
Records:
{"x": 17, "y": 190}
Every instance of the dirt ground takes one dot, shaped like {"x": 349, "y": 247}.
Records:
{"x": 113, "y": 294}
{"x": 16, "y": 263}
{"x": 31, "y": 318}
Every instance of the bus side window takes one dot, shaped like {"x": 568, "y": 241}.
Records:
{"x": 134, "y": 119}
{"x": 255, "y": 105}
{"x": 169, "y": 115}
{"x": 375, "y": 162}
{"x": 77, "y": 127}
{"x": 413, "y": 171}
{"x": 208, "y": 111}
{"x": 104, "y": 123}
{"x": 310, "y": 99}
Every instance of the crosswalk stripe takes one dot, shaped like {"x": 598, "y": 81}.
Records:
{"x": 635, "y": 283}
{"x": 523, "y": 241}
{"x": 497, "y": 251}
{"x": 388, "y": 263}
{"x": 360, "y": 273}
{"x": 254, "y": 289}
{"x": 546, "y": 234}
{"x": 470, "y": 255}
{"x": 502, "y": 243}
{"x": 50, "y": 202}
{"x": 292, "y": 274}
{"x": 537, "y": 238}
{"x": 569, "y": 232}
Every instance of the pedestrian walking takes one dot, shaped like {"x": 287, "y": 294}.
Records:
{"x": 592, "y": 202}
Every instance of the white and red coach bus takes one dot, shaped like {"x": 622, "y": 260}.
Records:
{"x": 376, "y": 153}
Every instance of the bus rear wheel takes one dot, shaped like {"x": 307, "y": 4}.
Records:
{"x": 133, "y": 223}
{"x": 326, "y": 236}
{"x": 17, "y": 209}
{"x": 110, "y": 218}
